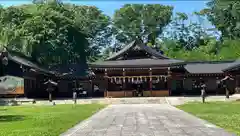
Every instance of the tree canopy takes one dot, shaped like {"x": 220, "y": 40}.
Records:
{"x": 143, "y": 21}
{"x": 52, "y": 32}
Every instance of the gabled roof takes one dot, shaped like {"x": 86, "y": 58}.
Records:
{"x": 156, "y": 59}
{"x": 140, "y": 45}
{"x": 23, "y": 60}
{"x": 27, "y": 63}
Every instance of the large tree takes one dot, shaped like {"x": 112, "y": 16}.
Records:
{"x": 140, "y": 20}
{"x": 188, "y": 36}
{"x": 52, "y": 32}
{"x": 97, "y": 25}
{"x": 225, "y": 16}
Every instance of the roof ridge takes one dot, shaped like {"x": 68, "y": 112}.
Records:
{"x": 140, "y": 44}
{"x": 210, "y": 62}
{"x": 127, "y": 47}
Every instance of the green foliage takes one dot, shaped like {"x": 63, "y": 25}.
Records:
{"x": 54, "y": 33}
{"x": 225, "y": 16}
{"x": 188, "y": 36}
{"x": 230, "y": 50}
{"x": 139, "y": 20}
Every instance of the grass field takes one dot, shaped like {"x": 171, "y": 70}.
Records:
{"x": 222, "y": 114}
{"x": 42, "y": 120}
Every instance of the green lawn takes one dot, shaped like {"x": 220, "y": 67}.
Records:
{"x": 43, "y": 120}
{"x": 223, "y": 114}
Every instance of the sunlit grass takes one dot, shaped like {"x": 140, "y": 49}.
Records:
{"x": 43, "y": 120}
{"x": 222, "y": 114}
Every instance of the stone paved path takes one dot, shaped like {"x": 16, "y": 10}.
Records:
{"x": 144, "y": 120}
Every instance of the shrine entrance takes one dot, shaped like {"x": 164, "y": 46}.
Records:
{"x": 137, "y": 86}
{"x": 138, "y": 90}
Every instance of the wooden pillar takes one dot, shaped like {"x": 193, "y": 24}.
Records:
{"x": 91, "y": 88}
{"x": 150, "y": 80}
{"x": 124, "y": 81}
{"x": 169, "y": 80}
{"x": 106, "y": 81}
{"x": 236, "y": 84}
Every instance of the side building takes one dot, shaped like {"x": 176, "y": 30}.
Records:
{"x": 19, "y": 76}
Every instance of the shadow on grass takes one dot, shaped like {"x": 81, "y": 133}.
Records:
{"x": 9, "y": 118}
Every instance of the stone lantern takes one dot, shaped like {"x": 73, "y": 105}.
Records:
{"x": 5, "y": 61}
{"x": 225, "y": 82}
{"x": 50, "y": 88}
{"x": 203, "y": 90}
{"x": 76, "y": 91}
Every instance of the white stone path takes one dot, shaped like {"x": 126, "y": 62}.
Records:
{"x": 144, "y": 120}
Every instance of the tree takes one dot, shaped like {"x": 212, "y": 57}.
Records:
{"x": 53, "y": 37}
{"x": 229, "y": 50}
{"x": 55, "y": 33}
{"x": 138, "y": 20}
{"x": 11, "y": 19}
{"x": 225, "y": 16}
{"x": 188, "y": 36}
{"x": 96, "y": 24}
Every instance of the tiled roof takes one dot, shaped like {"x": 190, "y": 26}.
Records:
{"x": 234, "y": 66}
{"x": 136, "y": 63}
{"x": 207, "y": 67}
{"x": 27, "y": 63}
{"x": 157, "y": 59}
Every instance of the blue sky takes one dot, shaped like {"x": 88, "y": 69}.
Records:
{"x": 109, "y": 6}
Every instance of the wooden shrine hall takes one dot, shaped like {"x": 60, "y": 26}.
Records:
{"x": 136, "y": 70}
{"x": 139, "y": 70}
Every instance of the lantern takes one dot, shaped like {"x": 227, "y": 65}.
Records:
{"x": 50, "y": 88}
{"x": 158, "y": 79}
{"x": 141, "y": 80}
{"x": 145, "y": 79}
{"x": 111, "y": 80}
{"x": 5, "y": 61}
